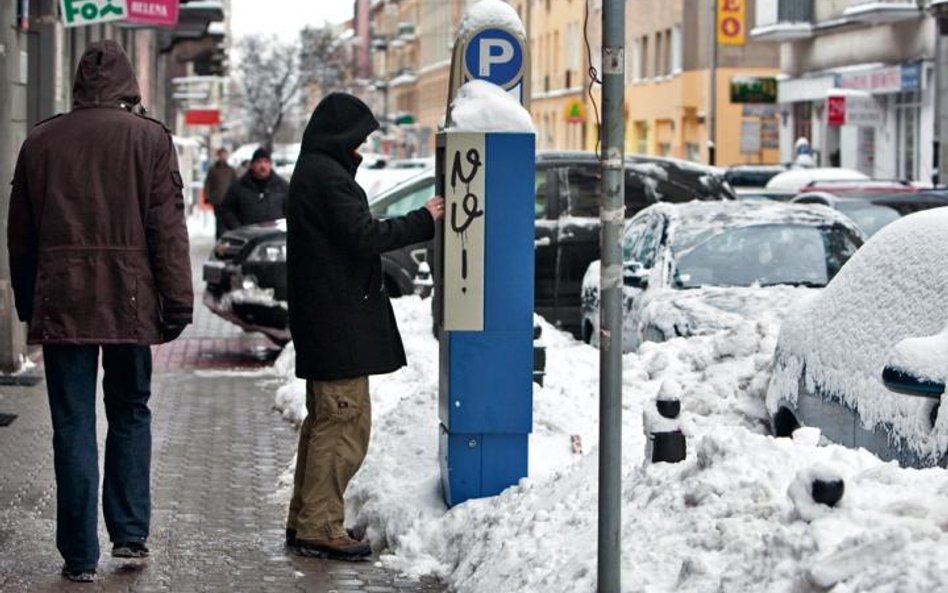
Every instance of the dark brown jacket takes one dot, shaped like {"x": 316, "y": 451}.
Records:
{"x": 219, "y": 178}
{"x": 97, "y": 239}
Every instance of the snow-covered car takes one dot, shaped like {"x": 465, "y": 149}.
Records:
{"x": 702, "y": 267}
{"x": 832, "y": 350}
{"x": 799, "y": 179}
{"x": 873, "y": 210}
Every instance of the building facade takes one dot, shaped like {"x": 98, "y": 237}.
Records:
{"x": 859, "y": 82}
{"x": 672, "y": 53}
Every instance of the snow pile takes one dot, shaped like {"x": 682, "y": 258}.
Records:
{"x": 926, "y": 357}
{"x": 732, "y": 517}
{"x": 893, "y": 288}
{"x": 491, "y": 13}
{"x": 481, "y": 106}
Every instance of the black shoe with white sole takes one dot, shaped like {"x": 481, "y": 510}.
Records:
{"x": 79, "y": 575}
{"x": 130, "y": 550}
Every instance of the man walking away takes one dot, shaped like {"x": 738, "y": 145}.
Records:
{"x": 219, "y": 178}
{"x": 340, "y": 317}
{"x": 99, "y": 261}
{"x": 258, "y": 196}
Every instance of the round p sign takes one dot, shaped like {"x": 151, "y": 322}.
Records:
{"x": 496, "y": 56}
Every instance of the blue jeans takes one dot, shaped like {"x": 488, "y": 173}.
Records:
{"x": 71, "y": 373}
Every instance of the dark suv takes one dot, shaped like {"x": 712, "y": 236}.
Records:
{"x": 566, "y": 240}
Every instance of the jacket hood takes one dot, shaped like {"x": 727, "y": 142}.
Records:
{"x": 339, "y": 124}
{"x": 105, "y": 77}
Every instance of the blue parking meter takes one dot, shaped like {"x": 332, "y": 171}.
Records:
{"x": 484, "y": 280}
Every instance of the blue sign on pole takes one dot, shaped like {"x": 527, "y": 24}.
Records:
{"x": 911, "y": 77}
{"x": 494, "y": 55}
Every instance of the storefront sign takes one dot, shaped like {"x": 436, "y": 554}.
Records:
{"x": 893, "y": 79}
{"x": 853, "y": 110}
{"x": 202, "y": 117}
{"x": 575, "y": 112}
{"x": 162, "y": 13}
{"x": 77, "y": 13}
{"x": 750, "y": 136}
{"x": 732, "y": 18}
{"x": 753, "y": 89}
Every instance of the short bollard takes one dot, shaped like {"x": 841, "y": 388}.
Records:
{"x": 665, "y": 440}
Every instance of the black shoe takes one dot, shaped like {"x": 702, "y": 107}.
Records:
{"x": 130, "y": 550}
{"x": 79, "y": 575}
{"x": 290, "y": 541}
{"x": 341, "y": 548}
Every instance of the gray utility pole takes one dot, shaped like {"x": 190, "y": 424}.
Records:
{"x": 612, "y": 213}
{"x": 713, "y": 90}
{"x": 939, "y": 11}
{"x": 13, "y": 119}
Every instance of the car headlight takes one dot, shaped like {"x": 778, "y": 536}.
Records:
{"x": 268, "y": 252}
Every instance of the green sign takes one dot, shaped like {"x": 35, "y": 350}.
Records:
{"x": 753, "y": 89}
{"x": 77, "y": 13}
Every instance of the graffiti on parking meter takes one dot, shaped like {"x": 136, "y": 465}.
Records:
{"x": 465, "y": 180}
{"x": 469, "y": 203}
{"x": 91, "y": 12}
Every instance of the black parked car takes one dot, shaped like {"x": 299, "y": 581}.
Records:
{"x": 568, "y": 188}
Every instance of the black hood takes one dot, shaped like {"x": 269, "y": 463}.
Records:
{"x": 339, "y": 124}
{"x": 105, "y": 78}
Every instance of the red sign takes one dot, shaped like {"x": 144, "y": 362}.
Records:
{"x": 202, "y": 117}
{"x": 162, "y": 13}
{"x": 836, "y": 111}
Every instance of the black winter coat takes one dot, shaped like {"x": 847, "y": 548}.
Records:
{"x": 245, "y": 204}
{"x": 340, "y": 316}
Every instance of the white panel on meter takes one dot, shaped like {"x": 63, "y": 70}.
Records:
{"x": 465, "y": 207}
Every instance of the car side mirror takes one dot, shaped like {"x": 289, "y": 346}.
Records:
{"x": 634, "y": 275}
{"x": 907, "y": 383}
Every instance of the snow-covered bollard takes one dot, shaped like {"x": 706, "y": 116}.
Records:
{"x": 815, "y": 490}
{"x": 664, "y": 438}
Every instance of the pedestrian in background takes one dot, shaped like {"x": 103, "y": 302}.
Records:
{"x": 99, "y": 261}
{"x": 341, "y": 320}
{"x": 219, "y": 177}
{"x": 258, "y": 196}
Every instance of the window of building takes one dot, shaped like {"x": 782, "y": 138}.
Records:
{"x": 658, "y": 71}
{"x": 667, "y": 54}
{"x": 643, "y": 66}
{"x": 908, "y": 108}
{"x": 693, "y": 151}
{"x": 635, "y": 62}
{"x": 676, "y": 65}
{"x": 641, "y": 137}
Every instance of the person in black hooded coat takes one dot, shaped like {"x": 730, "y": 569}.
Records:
{"x": 341, "y": 320}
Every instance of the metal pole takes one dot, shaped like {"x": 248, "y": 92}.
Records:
{"x": 612, "y": 213}
{"x": 713, "y": 91}
{"x": 937, "y": 81}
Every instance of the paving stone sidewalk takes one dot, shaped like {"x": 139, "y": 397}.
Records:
{"x": 218, "y": 450}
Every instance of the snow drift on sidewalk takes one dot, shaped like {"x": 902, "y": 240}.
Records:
{"x": 728, "y": 519}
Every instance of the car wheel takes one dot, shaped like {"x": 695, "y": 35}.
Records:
{"x": 784, "y": 423}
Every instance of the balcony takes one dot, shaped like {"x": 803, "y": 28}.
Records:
{"x": 783, "y": 20}
{"x": 876, "y": 12}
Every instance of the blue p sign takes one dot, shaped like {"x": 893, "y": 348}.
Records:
{"x": 496, "y": 56}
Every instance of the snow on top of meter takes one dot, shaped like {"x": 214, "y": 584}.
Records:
{"x": 491, "y": 13}
{"x": 485, "y": 107}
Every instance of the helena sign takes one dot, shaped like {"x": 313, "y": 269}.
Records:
{"x": 162, "y": 13}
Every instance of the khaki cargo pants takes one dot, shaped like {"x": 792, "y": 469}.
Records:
{"x": 333, "y": 441}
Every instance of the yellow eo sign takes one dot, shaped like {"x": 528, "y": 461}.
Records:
{"x": 90, "y": 12}
{"x": 732, "y": 19}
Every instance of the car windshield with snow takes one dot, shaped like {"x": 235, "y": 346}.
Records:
{"x": 832, "y": 349}
{"x": 697, "y": 268}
